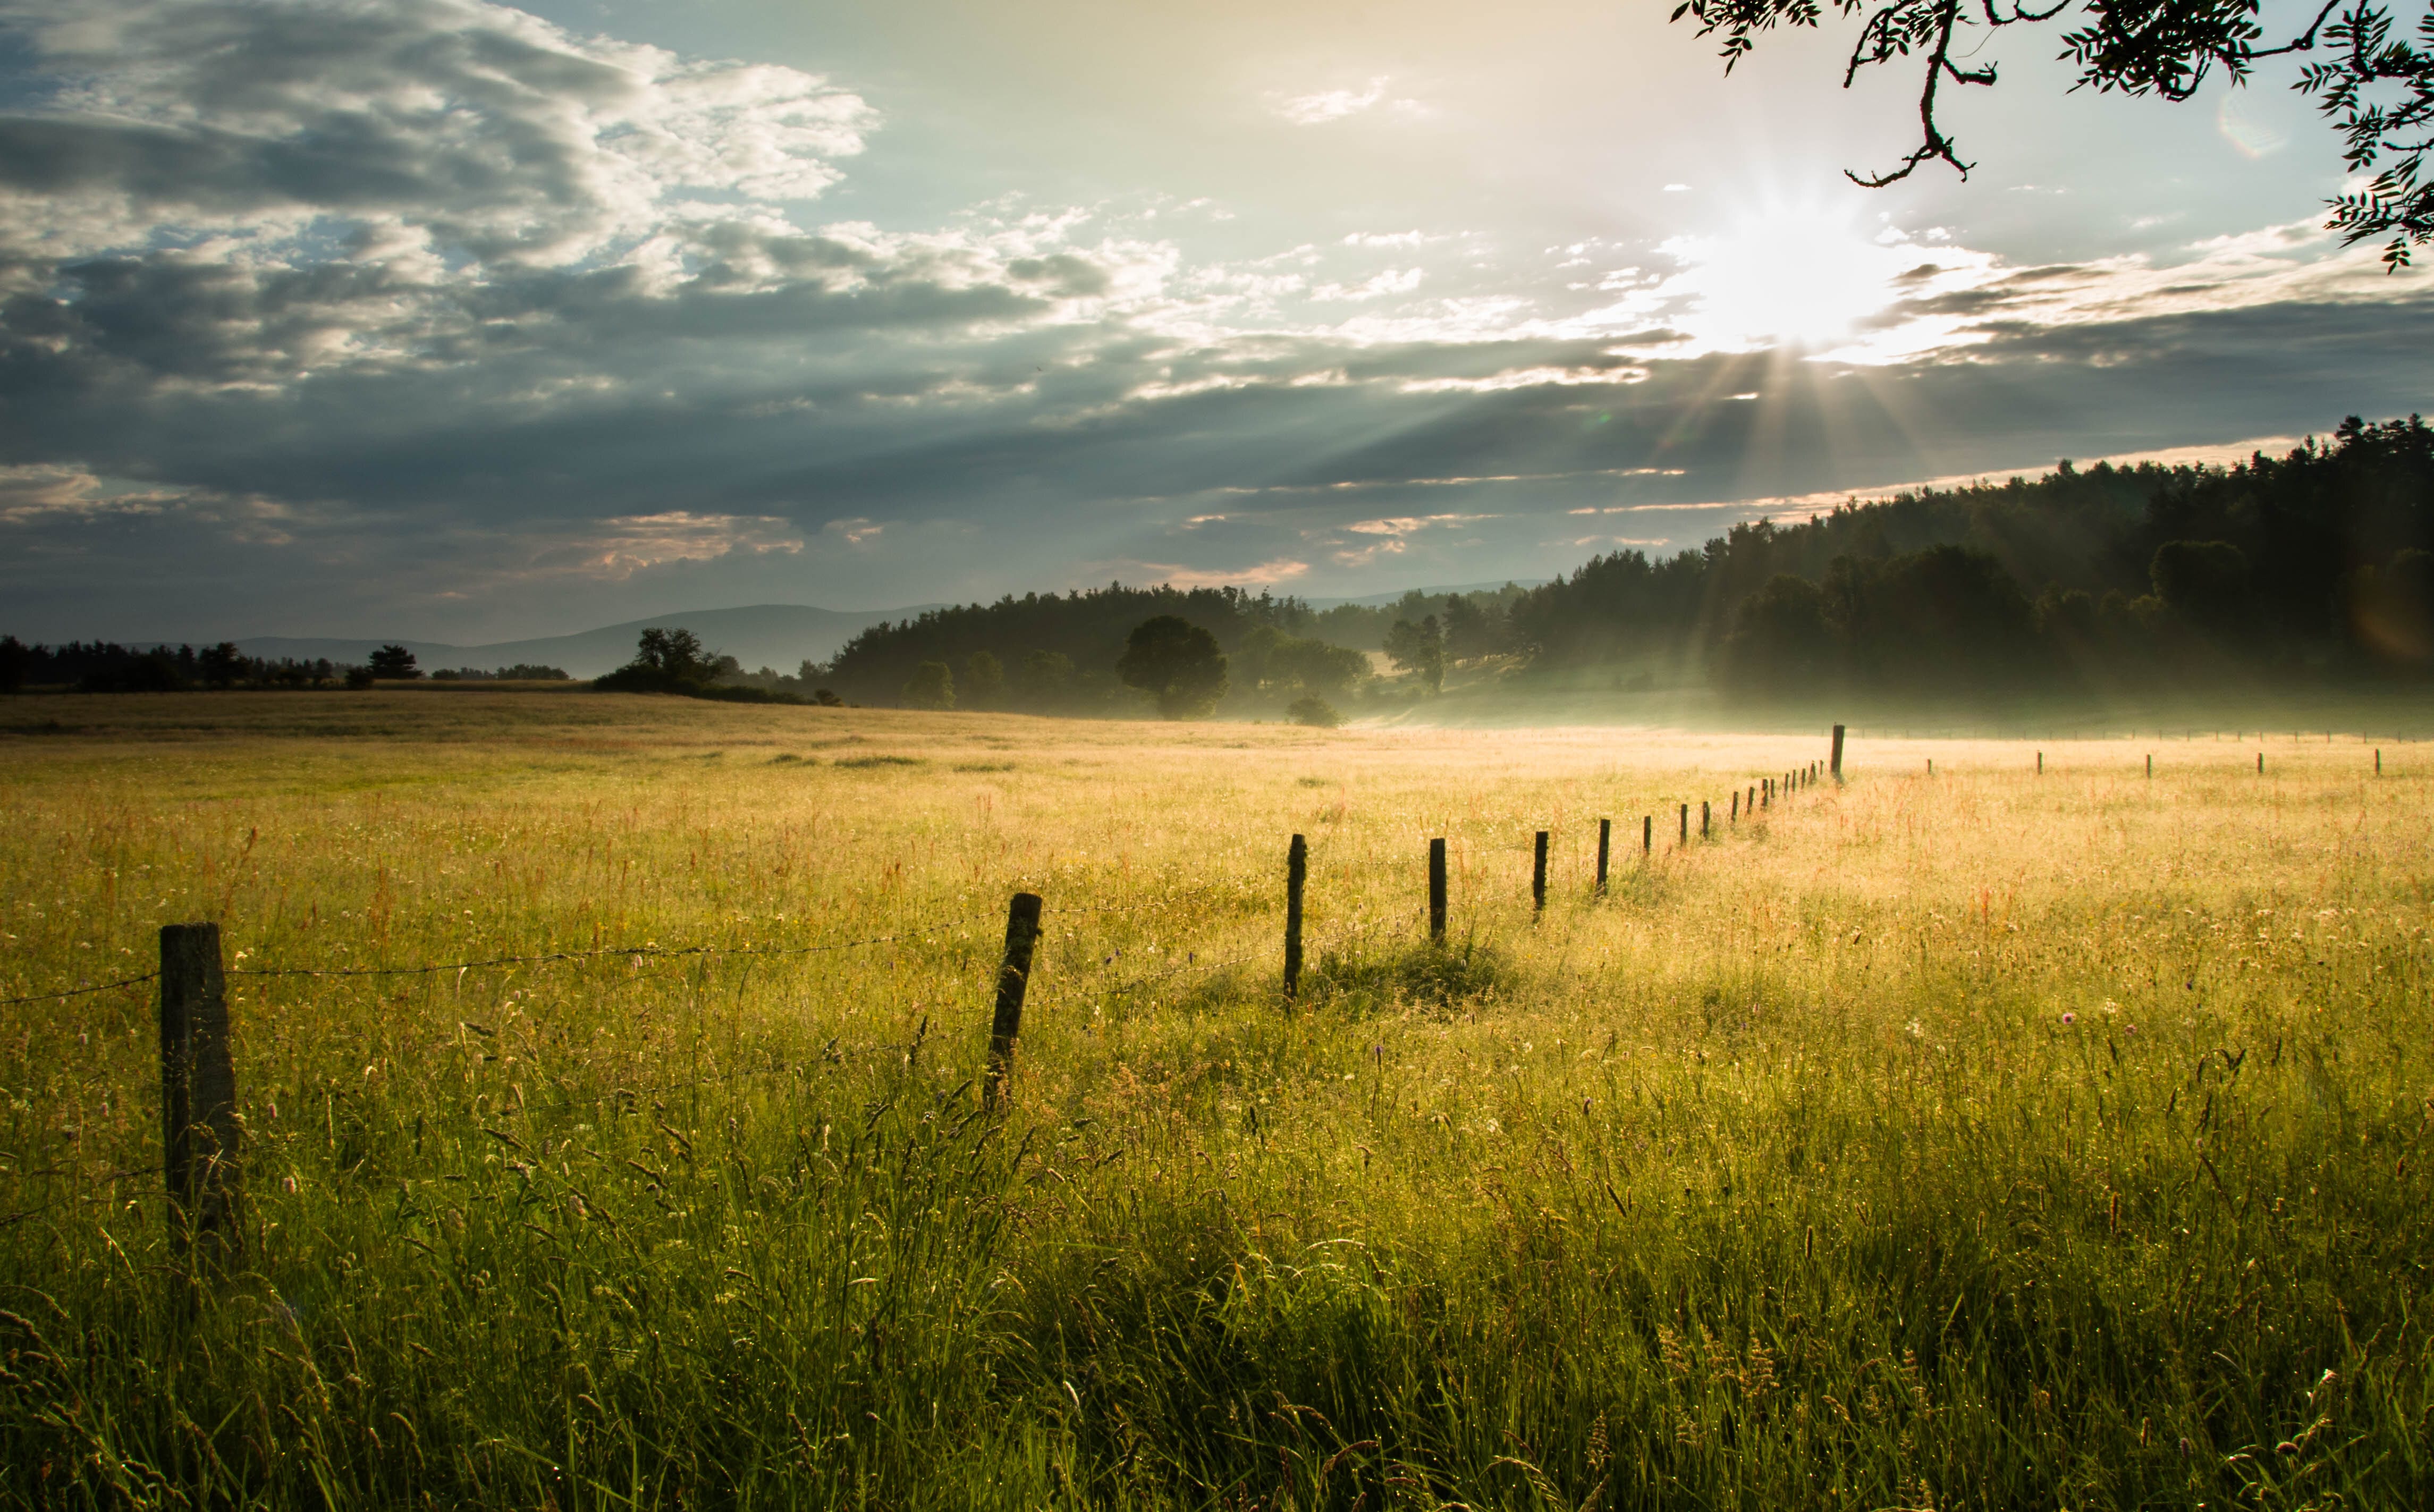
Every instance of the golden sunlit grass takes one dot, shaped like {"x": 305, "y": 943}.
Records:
{"x": 1979, "y": 1140}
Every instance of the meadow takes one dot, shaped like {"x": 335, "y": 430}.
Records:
{"x": 1982, "y": 1139}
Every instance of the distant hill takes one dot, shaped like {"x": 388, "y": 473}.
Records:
{"x": 774, "y": 635}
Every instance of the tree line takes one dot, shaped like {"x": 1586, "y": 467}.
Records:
{"x": 106, "y": 666}
{"x": 2314, "y": 563}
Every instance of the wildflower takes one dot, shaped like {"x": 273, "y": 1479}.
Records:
{"x": 2070, "y": 1018}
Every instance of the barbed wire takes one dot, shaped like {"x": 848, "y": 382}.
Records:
{"x": 80, "y": 992}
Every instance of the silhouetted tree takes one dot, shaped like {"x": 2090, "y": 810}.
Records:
{"x": 2379, "y": 92}
{"x": 1419, "y": 650}
{"x": 14, "y": 662}
{"x": 2204, "y": 583}
{"x": 1176, "y": 662}
{"x": 393, "y": 662}
{"x": 1779, "y": 642}
{"x": 1476, "y": 624}
{"x": 222, "y": 664}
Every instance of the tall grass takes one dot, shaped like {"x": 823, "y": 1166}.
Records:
{"x": 1984, "y": 1141}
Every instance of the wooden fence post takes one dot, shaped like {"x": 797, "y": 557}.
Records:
{"x": 1605, "y": 838}
{"x": 1702, "y": 819}
{"x": 1685, "y": 824}
{"x": 1538, "y": 877}
{"x": 2150, "y": 766}
{"x": 1436, "y": 892}
{"x": 2040, "y": 764}
{"x": 1838, "y": 753}
{"x": 197, "y": 1091}
{"x": 1296, "y": 872}
{"x": 1647, "y": 833}
{"x": 2378, "y": 760}
{"x": 1013, "y": 980}
{"x": 2261, "y": 764}
{"x": 1734, "y": 817}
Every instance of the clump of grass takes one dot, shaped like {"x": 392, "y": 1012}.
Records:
{"x": 1415, "y": 974}
{"x": 865, "y": 762}
{"x": 986, "y": 767}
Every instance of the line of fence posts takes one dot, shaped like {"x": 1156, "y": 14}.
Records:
{"x": 200, "y": 1134}
{"x": 1296, "y": 874}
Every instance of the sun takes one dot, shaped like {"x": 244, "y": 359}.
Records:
{"x": 1779, "y": 278}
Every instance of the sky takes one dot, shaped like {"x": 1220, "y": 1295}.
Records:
{"x": 464, "y": 322}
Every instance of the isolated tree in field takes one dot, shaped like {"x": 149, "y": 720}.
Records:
{"x": 2378, "y": 92}
{"x": 1176, "y": 662}
{"x": 984, "y": 681}
{"x": 394, "y": 663}
{"x": 667, "y": 661}
{"x": 932, "y": 686}
{"x": 674, "y": 655}
{"x": 1419, "y": 650}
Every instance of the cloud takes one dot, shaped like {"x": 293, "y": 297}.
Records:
{"x": 1336, "y": 104}
{"x": 424, "y": 317}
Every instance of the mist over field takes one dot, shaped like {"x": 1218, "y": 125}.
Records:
{"x": 1262, "y": 758}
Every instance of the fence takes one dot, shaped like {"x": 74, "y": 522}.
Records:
{"x": 201, "y": 1134}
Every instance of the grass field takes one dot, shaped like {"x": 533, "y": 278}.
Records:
{"x": 1978, "y": 1141}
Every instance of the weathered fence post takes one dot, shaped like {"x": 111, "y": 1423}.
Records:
{"x": 197, "y": 1091}
{"x": 1647, "y": 833}
{"x": 1838, "y": 753}
{"x": 1296, "y": 872}
{"x": 2040, "y": 764}
{"x": 1702, "y": 819}
{"x": 1685, "y": 824}
{"x": 1538, "y": 877}
{"x": 2261, "y": 764}
{"x": 1605, "y": 840}
{"x": 2150, "y": 766}
{"x": 1436, "y": 892}
{"x": 1734, "y": 817}
{"x": 2378, "y": 760}
{"x": 1013, "y": 980}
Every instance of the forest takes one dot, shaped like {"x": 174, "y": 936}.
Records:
{"x": 2315, "y": 565}
{"x": 2312, "y": 564}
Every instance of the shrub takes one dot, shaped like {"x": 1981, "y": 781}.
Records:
{"x": 1314, "y": 711}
